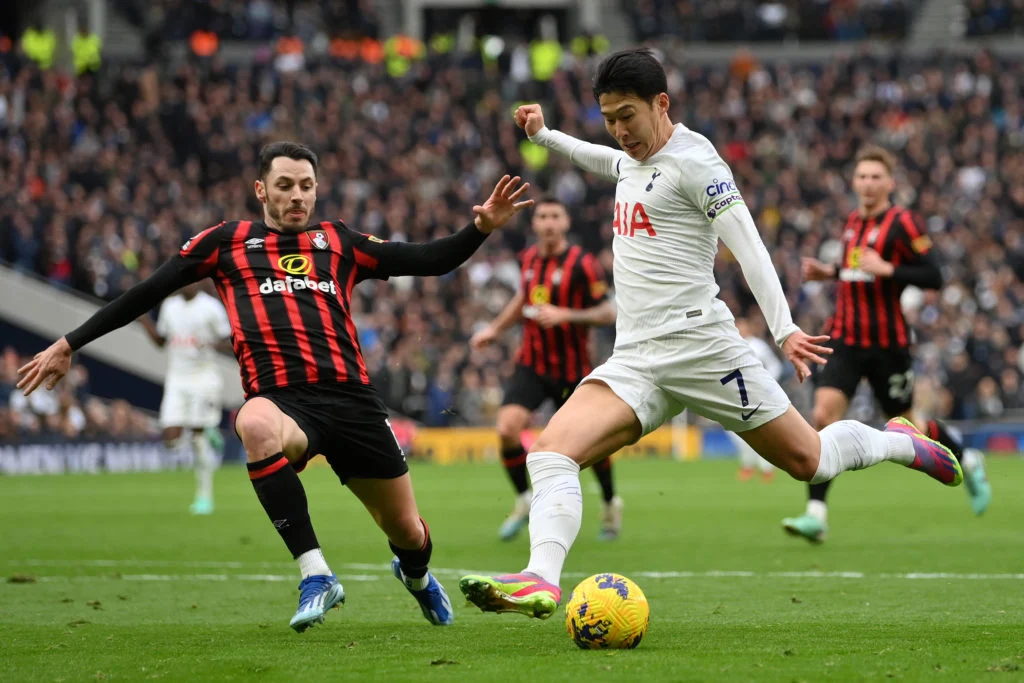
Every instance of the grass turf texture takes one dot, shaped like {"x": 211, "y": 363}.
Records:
{"x": 187, "y": 598}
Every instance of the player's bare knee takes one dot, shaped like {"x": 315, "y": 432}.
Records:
{"x": 171, "y": 436}
{"x": 511, "y": 423}
{"x": 548, "y": 442}
{"x": 509, "y": 432}
{"x": 407, "y": 531}
{"x": 260, "y": 432}
{"x": 801, "y": 463}
{"x": 823, "y": 415}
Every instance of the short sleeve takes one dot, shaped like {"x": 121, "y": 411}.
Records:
{"x": 199, "y": 255}
{"x": 592, "y": 278}
{"x": 915, "y": 236}
{"x": 368, "y": 251}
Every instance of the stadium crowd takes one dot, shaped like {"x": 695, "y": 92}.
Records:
{"x": 67, "y": 413}
{"x": 994, "y": 17}
{"x": 769, "y": 20}
{"x": 110, "y": 174}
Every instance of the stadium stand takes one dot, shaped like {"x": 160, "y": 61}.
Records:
{"x": 994, "y": 17}
{"x": 112, "y": 172}
{"x": 756, "y": 20}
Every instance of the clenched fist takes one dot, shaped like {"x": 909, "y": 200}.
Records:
{"x": 530, "y": 118}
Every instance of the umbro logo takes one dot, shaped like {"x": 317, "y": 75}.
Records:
{"x": 254, "y": 243}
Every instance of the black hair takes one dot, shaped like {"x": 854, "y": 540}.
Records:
{"x": 291, "y": 150}
{"x": 631, "y": 72}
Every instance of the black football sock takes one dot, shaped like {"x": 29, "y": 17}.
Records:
{"x": 818, "y": 491}
{"x": 280, "y": 491}
{"x": 514, "y": 460}
{"x": 603, "y": 472}
{"x": 937, "y": 431}
{"x": 414, "y": 562}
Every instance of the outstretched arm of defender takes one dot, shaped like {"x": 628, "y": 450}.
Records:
{"x": 51, "y": 365}
{"x": 596, "y": 159}
{"x": 737, "y": 229}
{"x": 448, "y": 253}
{"x": 509, "y": 316}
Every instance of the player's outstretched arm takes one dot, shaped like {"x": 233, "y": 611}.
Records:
{"x": 448, "y": 253}
{"x": 509, "y": 316}
{"x": 601, "y": 314}
{"x": 51, "y": 365}
{"x": 737, "y": 229}
{"x": 597, "y": 159}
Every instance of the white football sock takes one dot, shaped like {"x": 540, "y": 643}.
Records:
{"x": 763, "y": 464}
{"x": 205, "y": 465}
{"x": 526, "y": 496}
{"x": 312, "y": 562}
{"x": 818, "y": 509}
{"x": 556, "y": 512}
{"x": 849, "y": 445}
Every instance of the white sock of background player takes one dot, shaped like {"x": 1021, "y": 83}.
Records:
{"x": 205, "y": 465}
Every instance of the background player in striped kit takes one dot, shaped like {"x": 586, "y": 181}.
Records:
{"x": 562, "y": 292}
{"x": 885, "y": 248}
{"x": 287, "y": 285}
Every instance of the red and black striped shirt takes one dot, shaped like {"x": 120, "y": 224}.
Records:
{"x": 572, "y": 279}
{"x": 868, "y": 312}
{"x": 287, "y": 294}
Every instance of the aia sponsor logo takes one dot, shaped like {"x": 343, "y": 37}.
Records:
{"x": 629, "y": 220}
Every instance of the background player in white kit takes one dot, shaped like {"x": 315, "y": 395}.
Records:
{"x": 749, "y": 459}
{"x": 676, "y": 346}
{"x": 193, "y": 326}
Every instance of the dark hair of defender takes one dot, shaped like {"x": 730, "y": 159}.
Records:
{"x": 291, "y": 150}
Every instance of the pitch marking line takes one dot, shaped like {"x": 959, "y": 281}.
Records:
{"x": 454, "y": 572}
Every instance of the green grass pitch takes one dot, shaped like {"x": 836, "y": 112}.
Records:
{"x": 111, "y": 579}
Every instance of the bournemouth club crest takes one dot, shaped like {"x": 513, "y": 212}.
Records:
{"x": 319, "y": 239}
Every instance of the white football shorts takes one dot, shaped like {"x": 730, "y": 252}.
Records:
{"x": 709, "y": 369}
{"x": 191, "y": 404}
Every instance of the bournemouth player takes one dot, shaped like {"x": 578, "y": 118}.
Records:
{"x": 287, "y": 287}
{"x": 193, "y": 326}
{"x": 885, "y": 248}
{"x": 676, "y": 345}
{"x": 562, "y": 292}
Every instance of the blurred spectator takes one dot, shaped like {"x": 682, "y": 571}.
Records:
{"x": 769, "y": 20}
{"x": 991, "y": 17}
{"x": 39, "y": 43}
{"x": 86, "y": 50}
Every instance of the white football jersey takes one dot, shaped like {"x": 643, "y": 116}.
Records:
{"x": 665, "y": 244}
{"x": 191, "y": 329}
{"x": 666, "y": 239}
